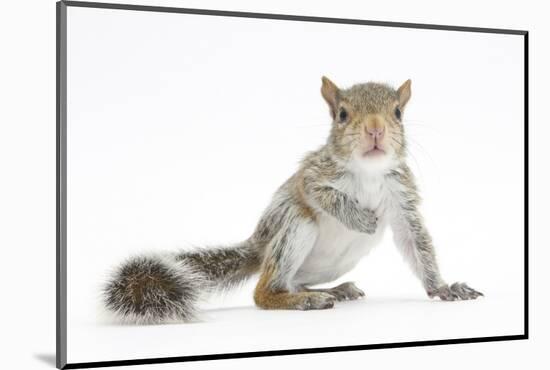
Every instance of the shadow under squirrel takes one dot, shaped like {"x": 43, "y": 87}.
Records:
{"x": 319, "y": 224}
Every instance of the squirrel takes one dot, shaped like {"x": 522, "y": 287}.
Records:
{"x": 319, "y": 224}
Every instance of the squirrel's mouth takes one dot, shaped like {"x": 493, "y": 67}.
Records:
{"x": 374, "y": 152}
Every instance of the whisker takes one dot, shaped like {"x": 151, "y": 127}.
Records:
{"x": 425, "y": 152}
{"x": 408, "y": 152}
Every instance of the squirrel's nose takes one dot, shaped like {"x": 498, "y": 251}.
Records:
{"x": 375, "y": 132}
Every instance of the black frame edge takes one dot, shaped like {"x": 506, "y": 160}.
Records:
{"x": 526, "y": 179}
{"x": 61, "y": 185}
{"x": 150, "y": 361}
{"x": 288, "y": 17}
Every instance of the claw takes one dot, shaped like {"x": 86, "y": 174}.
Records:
{"x": 457, "y": 291}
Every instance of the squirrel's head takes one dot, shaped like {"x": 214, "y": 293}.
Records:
{"x": 367, "y": 121}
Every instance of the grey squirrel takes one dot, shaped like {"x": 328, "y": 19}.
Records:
{"x": 319, "y": 224}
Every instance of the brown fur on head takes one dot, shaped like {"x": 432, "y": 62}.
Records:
{"x": 367, "y": 120}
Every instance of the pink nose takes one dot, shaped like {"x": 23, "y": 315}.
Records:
{"x": 375, "y": 132}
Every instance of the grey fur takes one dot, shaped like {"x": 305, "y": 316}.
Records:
{"x": 152, "y": 289}
{"x": 342, "y": 207}
{"x": 424, "y": 253}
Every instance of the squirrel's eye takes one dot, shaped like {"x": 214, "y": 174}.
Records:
{"x": 343, "y": 115}
{"x": 398, "y": 113}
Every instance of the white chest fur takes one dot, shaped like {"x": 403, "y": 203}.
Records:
{"x": 338, "y": 249}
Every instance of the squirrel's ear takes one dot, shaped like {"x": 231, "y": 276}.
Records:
{"x": 404, "y": 93}
{"x": 331, "y": 94}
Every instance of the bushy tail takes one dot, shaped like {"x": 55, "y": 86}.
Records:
{"x": 157, "y": 288}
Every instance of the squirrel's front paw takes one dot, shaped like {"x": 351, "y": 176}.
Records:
{"x": 368, "y": 222}
{"x": 455, "y": 292}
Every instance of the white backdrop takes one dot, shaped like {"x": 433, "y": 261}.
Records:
{"x": 180, "y": 128}
{"x": 27, "y": 159}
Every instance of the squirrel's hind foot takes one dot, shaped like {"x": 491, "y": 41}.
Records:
{"x": 347, "y": 292}
{"x": 343, "y": 292}
{"x": 317, "y": 301}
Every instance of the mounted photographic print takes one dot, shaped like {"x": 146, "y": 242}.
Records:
{"x": 238, "y": 184}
